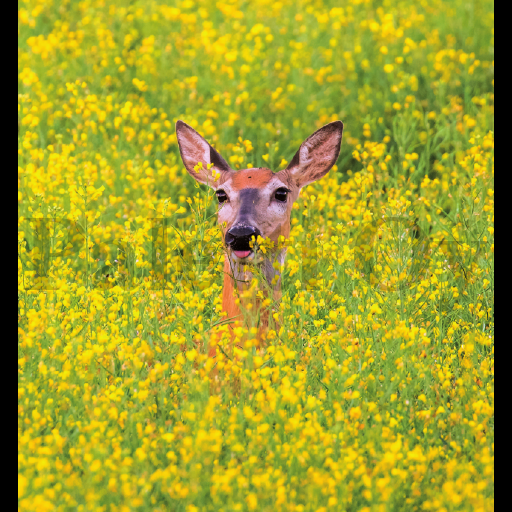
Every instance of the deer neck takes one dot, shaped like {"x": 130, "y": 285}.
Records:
{"x": 238, "y": 290}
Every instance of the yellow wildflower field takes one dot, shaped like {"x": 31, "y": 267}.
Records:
{"x": 375, "y": 387}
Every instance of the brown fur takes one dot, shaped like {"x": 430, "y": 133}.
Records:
{"x": 250, "y": 178}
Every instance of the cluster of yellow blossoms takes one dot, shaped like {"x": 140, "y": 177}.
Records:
{"x": 375, "y": 389}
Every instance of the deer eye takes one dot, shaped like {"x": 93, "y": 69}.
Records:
{"x": 281, "y": 194}
{"x": 221, "y": 196}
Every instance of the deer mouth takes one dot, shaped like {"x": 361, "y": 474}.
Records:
{"x": 242, "y": 251}
{"x": 242, "y": 254}
{"x": 239, "y": 239}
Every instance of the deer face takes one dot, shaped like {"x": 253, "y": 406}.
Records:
{"x": 252, "y": 203}
{"x": 257, "y": 202}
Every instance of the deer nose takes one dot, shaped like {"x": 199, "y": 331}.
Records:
{"x": 239, "y": 237}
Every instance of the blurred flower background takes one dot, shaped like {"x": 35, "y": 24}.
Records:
{"x": 375, "y": 391}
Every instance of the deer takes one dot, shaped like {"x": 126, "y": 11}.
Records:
{"x": 253, "y": 203}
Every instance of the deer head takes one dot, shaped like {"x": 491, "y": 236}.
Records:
{"x": 257, "y": 202}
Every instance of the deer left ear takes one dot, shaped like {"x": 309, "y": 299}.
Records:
{"x": 195, "y": 150}
{"x": 316, "y": 155}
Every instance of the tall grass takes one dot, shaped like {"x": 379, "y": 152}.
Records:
{"x": 375, "y": 387}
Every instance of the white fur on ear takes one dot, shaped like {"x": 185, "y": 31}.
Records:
{"x": 195, "y": 150}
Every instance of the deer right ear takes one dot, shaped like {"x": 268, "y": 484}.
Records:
{"x": 195, "y": 150}
{"x": 316, "y": 155}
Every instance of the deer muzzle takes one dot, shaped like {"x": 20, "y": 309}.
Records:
{"x": 238, "y": 239}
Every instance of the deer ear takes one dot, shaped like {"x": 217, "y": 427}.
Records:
{"x": 316, "y": 155}
{"x": 195, "y": 150}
